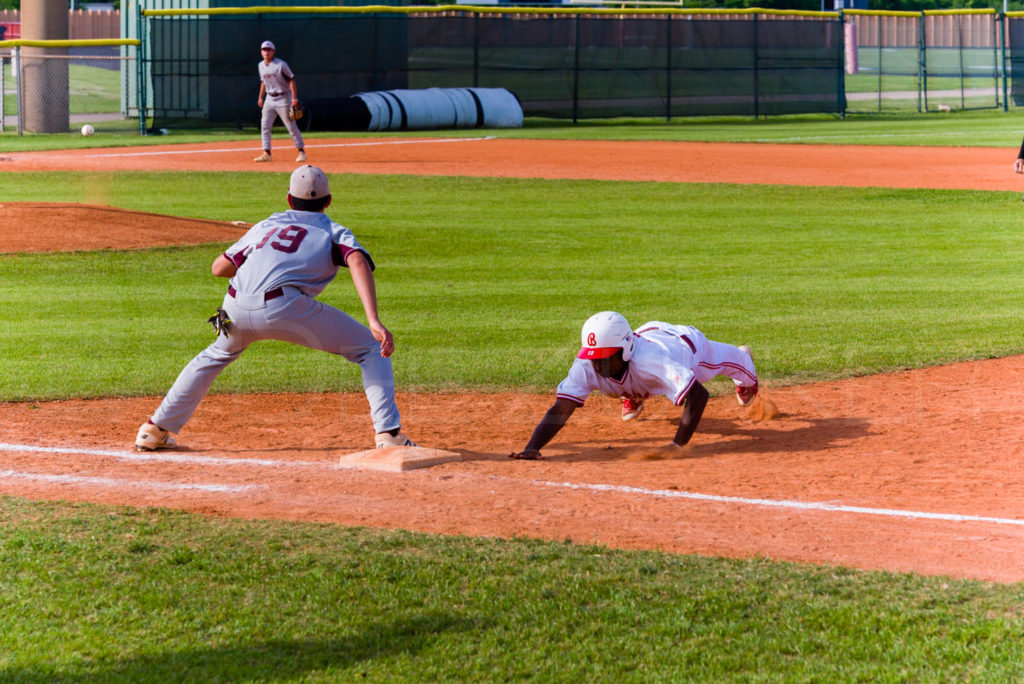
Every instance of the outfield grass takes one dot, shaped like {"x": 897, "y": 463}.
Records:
{"x": 485, "y": 282}
{"x": 103, "y": 594}
{"x": 91, "y": 90}
{"x": 987, "y": 128}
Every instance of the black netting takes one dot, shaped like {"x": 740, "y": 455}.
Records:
{"x": 1015, "y": 32}
{"x": 558, "y": 65}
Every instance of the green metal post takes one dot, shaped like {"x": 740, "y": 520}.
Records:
{"x": 922, "y": 66}
{"x": 20, "y": 90}
{"x": 140, "y": 77}
{"x": 960, "y": 52}
{"x": 476, "y": 50}
{"x": 576, "y": 74}
{"x": 881, "y": 66}
{"x": 757, "y": 94}
{"x": 376, "y": 83}
{"x": 1002, "y": 42}
{"x": 841, "y": 87}
{"x": 668, "y": 67}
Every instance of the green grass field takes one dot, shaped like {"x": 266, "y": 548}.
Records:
{"x": 475, "y": 288}
{"x": 961, "y": 129}
{"x": 824, "y": 282}
{"x": 91, "y": 89}
{"x": 120, "y": 595}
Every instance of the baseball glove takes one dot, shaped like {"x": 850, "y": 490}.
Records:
{"x": 220, "y": 321}
{"x": 296, "y": 111}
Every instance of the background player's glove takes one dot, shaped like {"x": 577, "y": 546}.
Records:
{"x": 296, "y": 111}
{"x": 220, "y": 321}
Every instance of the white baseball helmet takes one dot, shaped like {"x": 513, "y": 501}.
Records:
{"x": 604, "y": 334}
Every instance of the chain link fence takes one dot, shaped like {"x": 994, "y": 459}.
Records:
{"x": 935, "y": 61}
{"x": 61, "y": 89}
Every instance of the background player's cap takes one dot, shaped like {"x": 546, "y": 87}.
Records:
{"x": 308, "y": 182}
{"x": 268, "y": 44}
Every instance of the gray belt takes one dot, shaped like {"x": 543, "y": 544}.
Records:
{"x": 275, "y": 94}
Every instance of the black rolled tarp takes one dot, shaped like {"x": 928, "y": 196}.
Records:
{"x": 429, "y": 108}
{"x": 434, "y": 108}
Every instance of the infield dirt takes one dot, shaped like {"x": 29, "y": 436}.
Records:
{"x": 677, "y": 162}
{"x": 914, "y": 471}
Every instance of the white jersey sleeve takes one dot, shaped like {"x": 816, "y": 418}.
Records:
{"x": 344, "y": 243}
{"x": 579, "y": 383}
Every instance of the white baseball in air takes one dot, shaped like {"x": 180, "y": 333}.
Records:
{"x": 87, "y": 130}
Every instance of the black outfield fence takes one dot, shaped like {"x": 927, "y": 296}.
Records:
{"x": 1015, "y": 40}
{"x": 565, "y": 63}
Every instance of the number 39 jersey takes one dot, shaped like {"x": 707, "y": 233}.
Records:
{"x": 299, "y": 248}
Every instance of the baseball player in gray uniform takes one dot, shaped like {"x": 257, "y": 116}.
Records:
{"x": 657, "y": 358}
{"x": 276, "y": 271}
{"x": 277, "y": 94}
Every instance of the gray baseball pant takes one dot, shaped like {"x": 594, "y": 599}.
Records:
{"x": 293, "y": 317}
{"x": 279, "y": 108}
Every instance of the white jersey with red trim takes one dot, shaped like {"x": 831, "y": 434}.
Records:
{"x": 299, "y": 248}
{"x": 667, "y": 360}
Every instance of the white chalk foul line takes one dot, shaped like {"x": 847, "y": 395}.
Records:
{"x": 161, "y": 153}
{"x": 782, "y": 503}
{"x": 167, "y": 457}
{"x": 121, "y": 483}
{"x": 163, "y": 456}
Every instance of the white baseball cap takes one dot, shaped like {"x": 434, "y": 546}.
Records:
{"x": 308, "y": 182}
{"x": 268, "y": 44}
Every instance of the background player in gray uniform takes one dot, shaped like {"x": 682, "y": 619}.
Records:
{"x": 276, "y": 270}
{"x": 659, "y": 358}
{"x": 277, "y": 94}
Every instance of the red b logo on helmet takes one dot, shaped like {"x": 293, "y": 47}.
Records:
{"x": 591, "y": 340}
